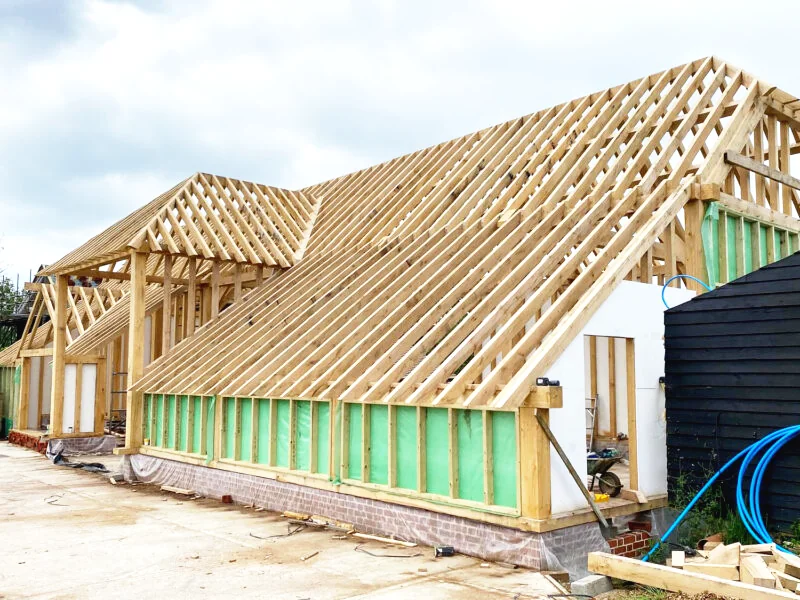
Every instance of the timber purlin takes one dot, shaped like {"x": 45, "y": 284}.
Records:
{"x": 737, "y": 381}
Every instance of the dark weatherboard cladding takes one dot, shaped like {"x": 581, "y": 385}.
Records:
{"x": 732, "y": 377}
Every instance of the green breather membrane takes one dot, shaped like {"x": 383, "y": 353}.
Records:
{"x": 379, "y": 444}
{"x": 709, "y": 232}
{"x": 282, "y": 444}
{"x": 197, "y": 425}
{"x": 747, "y": 237}
{"x": 762, "y": 241}
{"x": 229, "y": 409}
{"x": 406, "y": 440}
{"x": 323, "y": 430}
{"x": 211, "y": 418}
{"x": 148, "y": 415}
{"x": 263, "y": 432}
{"x": 776, "y": 237}
{"x": 470, "y": 454}
{"x": 183, "y": 423}
{"x": 437, "y": 443}
{"x": 302, "y": 435}
{"x": 338, "y": 444}
{"x": 246, "y": 438}
{"x": 171, "y": 425}
{"x": 504, "y": 458}
{"x": 731, "y": 249}
{"x": 354, "y": 442}
{"x": 159, "y": 440}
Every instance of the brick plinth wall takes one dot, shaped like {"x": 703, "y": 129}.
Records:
{"x": 632, "y": 544}
{"x": 563, "y": 549}
{"x": 26, "y": 440}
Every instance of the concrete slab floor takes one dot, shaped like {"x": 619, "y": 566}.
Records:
{"x": 67, "y": 533}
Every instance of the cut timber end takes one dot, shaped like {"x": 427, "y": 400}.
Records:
{"x": 547, "y": 396}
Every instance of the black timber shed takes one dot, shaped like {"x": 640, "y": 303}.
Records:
{"x": 733, "y": 376}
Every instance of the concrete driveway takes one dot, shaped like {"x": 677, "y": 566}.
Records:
{"x": 66, "y": 533}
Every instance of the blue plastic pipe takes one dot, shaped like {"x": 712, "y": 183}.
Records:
{"x": 674, "y": 277}
{"x": 749, "y": 509}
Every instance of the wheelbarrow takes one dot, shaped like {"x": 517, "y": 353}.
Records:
{"x": 609, "y": 482}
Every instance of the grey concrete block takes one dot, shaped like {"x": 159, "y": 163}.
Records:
{"x": 593, "y": 585}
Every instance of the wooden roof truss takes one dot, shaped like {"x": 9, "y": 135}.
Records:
{"x": 457, "y": 274}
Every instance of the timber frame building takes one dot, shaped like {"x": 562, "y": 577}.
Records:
{"x": 380, "y": 335}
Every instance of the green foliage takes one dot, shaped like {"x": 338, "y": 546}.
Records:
{"x": 710, "y": 515}
{"x": 647, "y": 593}
{"x": 790, "y": 539}
{"x": 9, "y": 299}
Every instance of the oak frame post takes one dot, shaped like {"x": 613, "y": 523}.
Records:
{"x": 59, "y": 355}
{"x": 534, "y": 452}
{"x": 134, "y": 406}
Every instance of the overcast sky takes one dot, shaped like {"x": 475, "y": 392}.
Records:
{"x": 106, "y": 104}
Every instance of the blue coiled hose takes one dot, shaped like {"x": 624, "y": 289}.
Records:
{"x": 749, "y": 508}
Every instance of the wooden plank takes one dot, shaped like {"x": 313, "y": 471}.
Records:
{"x": 452, "y": 451}
{"x": 100, "y": 395}
{"x": 166, "y": 339}
{"x": 392, "y": 446}
{"x": 675, "y": 580}
{"x": 534, "y": 478}
{"x": 593, "y": 366}
{"x": 612, "y": 386}
{"x": 771, "y": 173}
{"x": 633, "y": 437}
{"x": 488, "y": 459}
{"x": 59, "y": 353}
{"x": 344, "y": 435}
{"x": 725, "y": 571}
{"x": 237, "y": 429}
{"x": 134, "y": 406}
{"x": 695, "y": 256}
{"x": 312, "y": 437}
{"x": 546, "y": 396}
{"x": 759, "y": 213}
{"x": 755, "y": 571}
{"x": 214, "y": 290}
{"x": 787, "y": 581}
{"x": 76, "y": 426}
{"x": 365, "y": 441}
{"x": 725, "y": 554}
{"x": 24, "y": 395}
{"x": 191, "y": 298}
{"x": 421, "y": 461}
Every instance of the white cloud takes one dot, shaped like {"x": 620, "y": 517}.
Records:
{"x": 106, "y": 103}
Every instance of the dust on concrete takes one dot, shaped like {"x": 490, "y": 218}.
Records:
{"x": 95, "y": 539}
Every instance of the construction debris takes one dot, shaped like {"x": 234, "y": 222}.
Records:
{"x": 376, "y": 538}
{"x": 745, "y": 572}
{"x": 177, "y": 490}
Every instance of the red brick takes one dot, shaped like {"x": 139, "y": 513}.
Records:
{"x": 640, "y": 526}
